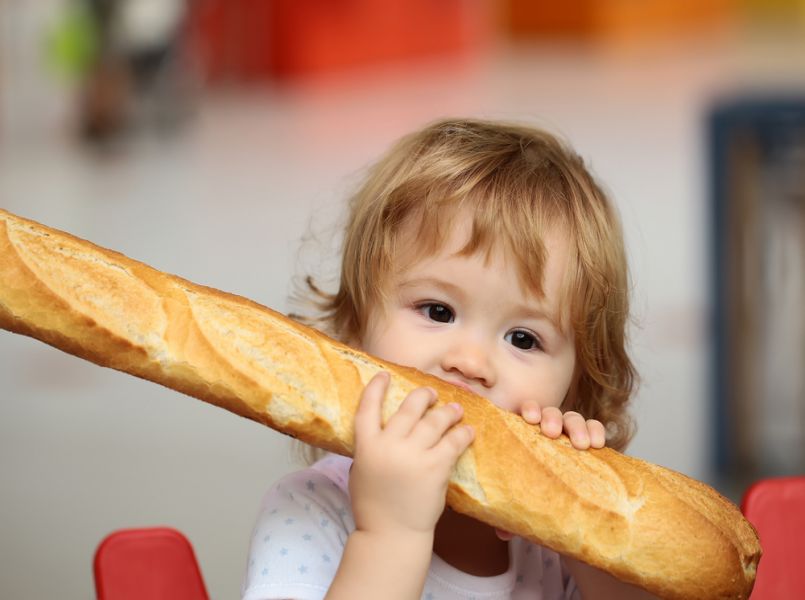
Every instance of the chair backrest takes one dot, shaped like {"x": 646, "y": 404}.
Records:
{"x": 154, "y": 563}
{"x": 776, "y": 507}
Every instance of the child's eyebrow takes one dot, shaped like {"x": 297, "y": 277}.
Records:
{"x": 432, "y": 281}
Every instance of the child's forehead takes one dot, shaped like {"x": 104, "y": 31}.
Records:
{"x": 534, "y": 260}
{"x": 417, "y": 243}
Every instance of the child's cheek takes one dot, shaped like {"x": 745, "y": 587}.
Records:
{"x": 507, "y": 402}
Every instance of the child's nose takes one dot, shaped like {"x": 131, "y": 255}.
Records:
{"x": 471, "y": 360}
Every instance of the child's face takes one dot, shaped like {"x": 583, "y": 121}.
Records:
{"x": 468, "y": 321}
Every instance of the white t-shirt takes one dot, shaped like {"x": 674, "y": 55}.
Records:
{"x": 304, "y": 523}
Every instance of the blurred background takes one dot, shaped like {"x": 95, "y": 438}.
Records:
{"x": 217, "y": 139}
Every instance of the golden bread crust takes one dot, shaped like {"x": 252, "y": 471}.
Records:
{"x": 647, "y": 525}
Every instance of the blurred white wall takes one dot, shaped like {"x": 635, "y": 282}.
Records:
{"x": 230, "y": 203}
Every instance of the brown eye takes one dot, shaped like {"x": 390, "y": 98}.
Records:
{"x": 437, "y": 312}
{"x": 523, "y": 340}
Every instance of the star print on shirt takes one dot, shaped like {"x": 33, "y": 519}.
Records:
{"x": 289, "y": 528}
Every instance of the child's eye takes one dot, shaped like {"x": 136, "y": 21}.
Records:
{"x": 524, "y": 340}
{"x": 436, "y": 312}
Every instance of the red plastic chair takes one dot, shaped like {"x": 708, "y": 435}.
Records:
{"x": 154, "y": 563}
{"x": 776, "y": 507}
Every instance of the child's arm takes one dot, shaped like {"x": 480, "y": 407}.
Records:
{"x": 398, "y": 485}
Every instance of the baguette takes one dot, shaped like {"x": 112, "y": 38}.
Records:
{"x": 645, "y": 524}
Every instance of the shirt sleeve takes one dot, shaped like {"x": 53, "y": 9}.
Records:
{"x": 298, "y": 539}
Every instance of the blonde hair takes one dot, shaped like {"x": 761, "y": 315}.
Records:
{"x": 518, "y": 183}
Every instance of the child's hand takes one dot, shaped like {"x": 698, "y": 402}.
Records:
{"x": 583, "y": 433}
{"x": 398, "y": 481}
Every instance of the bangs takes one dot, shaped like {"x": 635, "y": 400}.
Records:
{"x": 510, "y": 215}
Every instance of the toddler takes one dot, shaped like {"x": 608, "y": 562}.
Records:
{"x": 485, "y": 254}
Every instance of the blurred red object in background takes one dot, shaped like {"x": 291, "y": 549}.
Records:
{"x": 247, "y": 40}
{"x": 146, "y": 564}
{"x": 776, "y": 508}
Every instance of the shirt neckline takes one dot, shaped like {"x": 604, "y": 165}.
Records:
{"x": 454, "y": 578}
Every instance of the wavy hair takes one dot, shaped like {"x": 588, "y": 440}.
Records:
{"x": 518, "y": 182}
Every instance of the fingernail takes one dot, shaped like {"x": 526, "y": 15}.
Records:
{"x": 457, "y": 407}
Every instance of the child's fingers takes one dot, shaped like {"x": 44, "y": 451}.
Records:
{"x": 368, "y": 415}
{"x": 410, "y": 412}
{"x": 531, "y": 412}
{"x": 598, "y": 434}
{"x": 503, "y": 535}
{"x": 551, "y": 422}
{"x": 432, "y": 427}
{"x": 576, "y": 429}
{"x": 454, "y": 442}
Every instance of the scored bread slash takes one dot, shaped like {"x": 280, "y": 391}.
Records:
{"x": 645, "y": 524}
